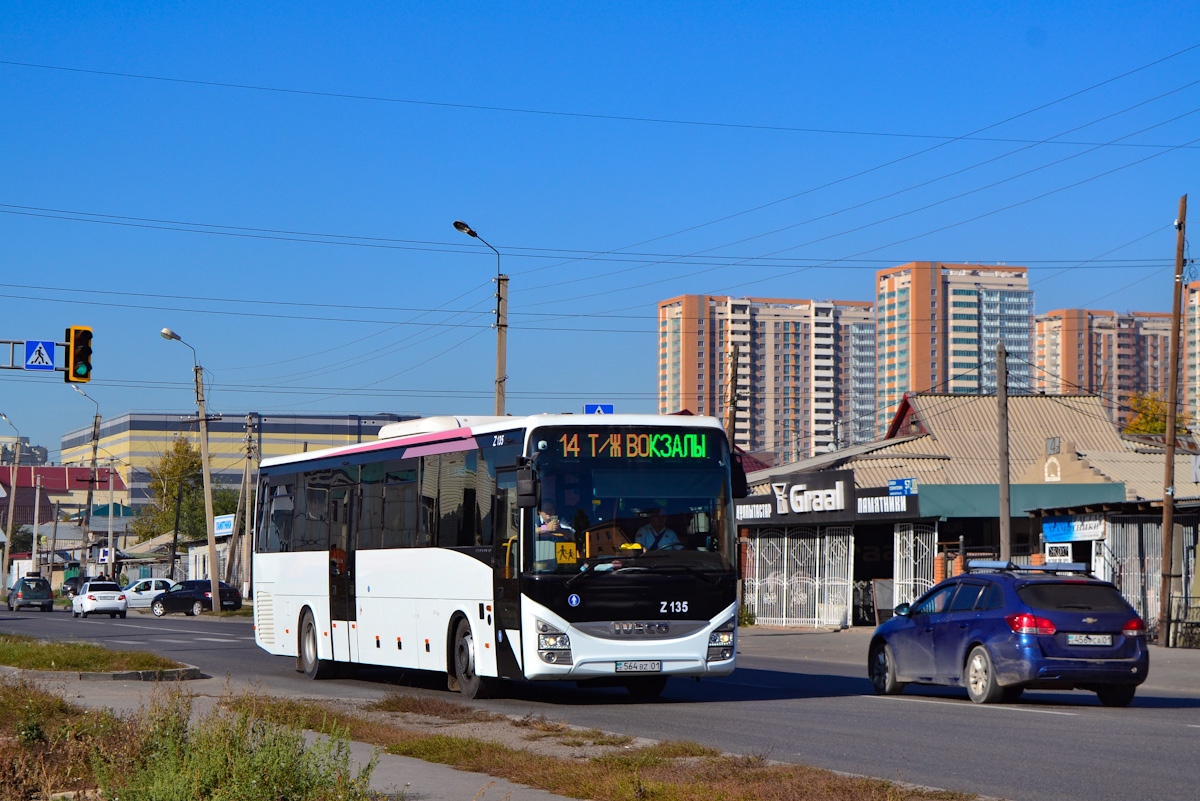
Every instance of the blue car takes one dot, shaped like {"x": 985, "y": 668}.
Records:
{"x": 1000, "y": 629}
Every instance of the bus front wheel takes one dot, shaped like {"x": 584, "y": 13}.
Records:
{"x": 313, "y": 666}
{"x": 470, "y": 683}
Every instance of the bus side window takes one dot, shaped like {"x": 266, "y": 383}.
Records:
{"x": 427, "y": 505}
{"x": 400, "y": 504}
{"x": 310, "y": 527}
{"x": 369, "y": 531}
{"x": 275, "y": 533}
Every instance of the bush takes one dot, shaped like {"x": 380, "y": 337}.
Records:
{"x": 745, "y": 616}
{"x": 225, "y": 755}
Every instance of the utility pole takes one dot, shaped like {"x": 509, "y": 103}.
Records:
{"x": 731, "y": 394}
{"x": 1167, "y": 582}
{"x": 112, "y": 552}
{"x": 175, "y": 533}
{"x": 37, "y": 508}
{"x": 53, "y": 542}
{"x": 1002, "y": 454}
{"x": 243, "y": 498}
{"x": 12, "y": 500}
{"x": 87, "y": 512}
{"x": 214, "y": 564}
{"x": 501, "y": 335}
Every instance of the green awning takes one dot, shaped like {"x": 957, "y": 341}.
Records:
{"x": 983, "y": 500}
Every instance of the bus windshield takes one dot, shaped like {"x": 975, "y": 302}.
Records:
{"x": 616, "y": 499}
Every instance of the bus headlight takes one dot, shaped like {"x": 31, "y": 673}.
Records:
{"x": 554, "y": 647}
{"x": 721, "y": 642}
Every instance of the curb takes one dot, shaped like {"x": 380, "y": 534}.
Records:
{"x": 185, "y": 673}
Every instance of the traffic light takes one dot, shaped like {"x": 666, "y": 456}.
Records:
{"x": 79, "y": 355}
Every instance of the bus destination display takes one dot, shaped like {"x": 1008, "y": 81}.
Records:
{"x": 626, "y": 445}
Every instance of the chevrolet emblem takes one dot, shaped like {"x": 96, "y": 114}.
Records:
{"x": 1090, "y": 620}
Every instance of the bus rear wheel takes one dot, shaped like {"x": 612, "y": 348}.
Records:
{"x": 470, "y": 683}
{"x": 313, "y": 666}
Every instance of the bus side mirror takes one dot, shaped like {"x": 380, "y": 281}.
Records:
{"x": 527, "y": 488}
{"x": 737, "y": 475}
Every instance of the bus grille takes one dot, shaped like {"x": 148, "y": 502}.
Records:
{"x": 264, "y": 617}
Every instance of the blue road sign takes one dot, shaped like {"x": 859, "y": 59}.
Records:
{"x": 902, "y": 486}
{"x": 597, "y": 408}
{"x": 39, "y": 354}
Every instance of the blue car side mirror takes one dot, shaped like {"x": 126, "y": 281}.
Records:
{"x": 903, "y": 609}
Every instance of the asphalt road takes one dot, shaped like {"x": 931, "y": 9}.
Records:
{"x": 797, "y": 696}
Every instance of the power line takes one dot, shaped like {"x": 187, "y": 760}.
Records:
{"x": 569, "y": 114}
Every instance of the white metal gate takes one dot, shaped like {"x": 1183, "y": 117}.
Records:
{"x": 913, "y": 564}
{"x": 800, "y": 576}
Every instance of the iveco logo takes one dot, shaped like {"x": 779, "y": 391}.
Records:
{"x": 1091, "y": 620}
{"x": 639, "y": 629}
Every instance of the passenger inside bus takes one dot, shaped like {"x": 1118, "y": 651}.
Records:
{"x": 551, "y": 533}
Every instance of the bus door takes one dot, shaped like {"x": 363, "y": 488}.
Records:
{"x": 506, "y": 561}
{"x": 342, "y": 611}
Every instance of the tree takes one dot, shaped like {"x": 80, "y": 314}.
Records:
{"x": 180, "y": 463}
{"x": 22, "y": 540}
{"x": 1150, "y": 414}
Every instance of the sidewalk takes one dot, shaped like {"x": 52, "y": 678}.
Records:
{"x": 397, "y": 776}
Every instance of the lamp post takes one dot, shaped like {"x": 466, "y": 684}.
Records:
{"x": 12, "y": 497}
{"x": 501, "y": 317}
{"x": 213, "y": 564}
{"x": 87, "y": 514}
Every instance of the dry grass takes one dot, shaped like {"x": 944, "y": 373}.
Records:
{"x": 32, "y": 654}
{"x": 669, "y": 771}
{"x": 432, "y": 707}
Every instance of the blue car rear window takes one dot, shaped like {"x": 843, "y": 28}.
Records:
{"x": 1083, "y": 597}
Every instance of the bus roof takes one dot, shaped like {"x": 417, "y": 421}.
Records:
{"x": 452, "y": 427}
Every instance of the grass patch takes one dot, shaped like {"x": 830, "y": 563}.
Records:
{"x": 431, "y": 707}
{"x": 32, "y": 654}
{"x": 669, "y": 771}
{"x": 579, "y": 738}
{"x": 245, "y": 611}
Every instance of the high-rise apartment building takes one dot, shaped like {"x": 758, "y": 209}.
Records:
{"x": 1189, "y": 376}
{"x": 805, "y": 377}
{"x": 1112, "y": 355}
{"x": 938, "y": 327}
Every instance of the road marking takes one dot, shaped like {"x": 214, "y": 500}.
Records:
{"x": 176, "y": 642}
{"x": 153, "y": 628}
{"x": 215, "y": 639}
{"x": 961, "y": 705}
{"x": 128, "y": 642}
{"x": 1193, "y": 726}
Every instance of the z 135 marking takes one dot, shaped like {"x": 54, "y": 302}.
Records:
{"x": 672, "y": 606}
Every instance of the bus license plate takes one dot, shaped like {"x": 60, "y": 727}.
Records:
{"x": 1089, "y": 639}
{"x": 639, "y": 667}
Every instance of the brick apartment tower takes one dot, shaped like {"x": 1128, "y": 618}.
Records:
{"x": 1109, "y": 354}
{"x": 937, "y": 327}
{"x": 806, "y": 369}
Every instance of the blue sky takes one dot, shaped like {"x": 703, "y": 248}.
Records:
{"x": 279, "y": 184}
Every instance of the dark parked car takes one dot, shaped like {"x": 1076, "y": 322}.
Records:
{"x": 70, "y": 587}
{"x": 31, "y": 591}
{"x": 1000, "y": 629}
{"x": 193, "y": 597}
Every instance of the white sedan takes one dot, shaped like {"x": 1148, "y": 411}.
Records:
{"x": 140, "y": 593}
{"x": 99, "y": 596}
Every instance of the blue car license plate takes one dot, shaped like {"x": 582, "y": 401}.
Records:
{"x": 1089, "y": 639}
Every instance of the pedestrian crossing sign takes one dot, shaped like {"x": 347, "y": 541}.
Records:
{"x": 39, "y": 354}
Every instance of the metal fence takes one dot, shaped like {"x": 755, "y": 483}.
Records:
{"x": 914, "y": 562}
{"x": 800, "y": 576}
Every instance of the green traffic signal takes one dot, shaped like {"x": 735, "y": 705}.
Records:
{"x": 79, "y": 355}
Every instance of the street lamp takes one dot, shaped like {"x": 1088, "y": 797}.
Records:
{"x": 12, "y": 497}
{"x": 501, "y": 317}
{"x": 213, "y": 564}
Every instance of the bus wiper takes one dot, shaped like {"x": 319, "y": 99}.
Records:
{"x": 588, "y": 567}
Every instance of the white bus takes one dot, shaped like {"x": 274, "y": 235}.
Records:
{"x": 585, "y": 548}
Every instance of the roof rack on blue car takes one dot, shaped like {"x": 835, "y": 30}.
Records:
{"x": 1053, "y": 567}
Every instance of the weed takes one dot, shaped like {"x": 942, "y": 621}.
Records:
{"x": 745, "y": 616}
